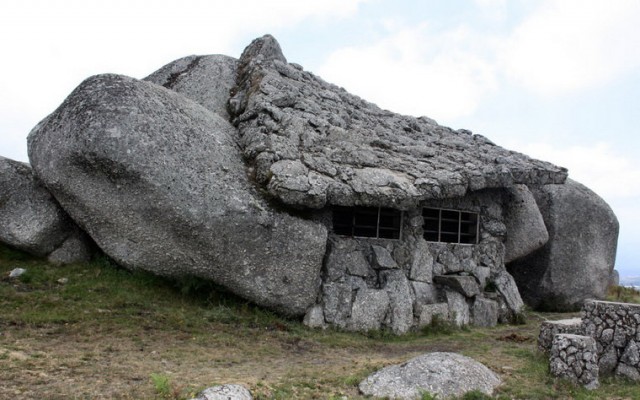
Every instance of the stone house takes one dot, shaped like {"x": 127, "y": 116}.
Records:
{"x": 421, "y": 218}
{"x": 305, "y": 199}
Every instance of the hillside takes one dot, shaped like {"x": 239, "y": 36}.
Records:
{"x": 97, "y": 331}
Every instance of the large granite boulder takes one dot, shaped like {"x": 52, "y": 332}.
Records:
{"x": 577, "y": 261}
{"x": 159, "y": 183}
{"x": 207, "y": 80}
{"x": 442, "y": 374}
{"x": 526, "y": 231}
{"x": 30, "y": 218}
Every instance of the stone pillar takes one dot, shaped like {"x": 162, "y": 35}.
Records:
{"x": 575, "y": 358}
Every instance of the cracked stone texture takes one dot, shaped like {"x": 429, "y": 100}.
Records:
{"x": 405, "y": 269}
{"x": 30, "y": 218}
{"x": 506, "y": 286}
{"x": 616, "y": 329}
{"x": 159, "y": 183}
{"x": 314, "y": 318}
{"x": 575, "y": 358}
{"x": 577, "y": 261}
{"x": 369, "y": 309}
{"x": 484, "y": 312}
{"x": 465, "y": 285}
{"x": 400, "y": 302}
{"x": 207, "y": 80}
{"x": 314, "y": 144}
{"x": 428, "y": 312}
{"x": 442, "y": 374}
{"x": 458, "y": 308}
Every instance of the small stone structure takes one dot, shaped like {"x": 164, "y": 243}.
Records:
{"x": 549, "y": 329}
{"x": 615, "y": 331}
{"x": 574, "y": 357}
{"x": 400, "y": 284}
{"x": 615, "y": 327}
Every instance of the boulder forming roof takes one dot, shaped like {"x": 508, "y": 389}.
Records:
{"x": 312, "y": 143}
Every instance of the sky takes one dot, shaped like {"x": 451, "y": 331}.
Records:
{"x": 558, "y": 80}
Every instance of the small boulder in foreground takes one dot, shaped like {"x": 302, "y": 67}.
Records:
{"x": 225, "y": 392}
{"x": 441, "y": 374}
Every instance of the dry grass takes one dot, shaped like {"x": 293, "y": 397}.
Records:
{"x": 623, "y": 294}
{"x": 111, "y": 334}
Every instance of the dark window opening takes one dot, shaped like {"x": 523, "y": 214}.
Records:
{"x": 374, "y": 222}
{"x": 450, "y": 226}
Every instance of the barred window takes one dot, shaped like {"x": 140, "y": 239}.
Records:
{"x": 373, "y": 222}
{"x": 450, "y": 226}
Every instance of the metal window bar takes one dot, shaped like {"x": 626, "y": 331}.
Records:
{"x": 440, "y": 225}
{"x": 459, "y": 225}
{"x": 354, "y": 225}
{"x": 378, "y": 225}
{"x": 459, "y": 233}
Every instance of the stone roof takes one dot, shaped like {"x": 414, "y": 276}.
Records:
{"x": 312, "y": 143}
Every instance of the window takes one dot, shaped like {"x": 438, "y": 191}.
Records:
{"x": 450, "y": 226}
{"x": 374, "y": 222}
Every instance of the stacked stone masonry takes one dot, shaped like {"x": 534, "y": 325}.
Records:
{"x": 615, "y": 327}
{"x": 574, "y": 357}
{"x": 405, "y": 284}
{"x": 615, "y": 330}
{"x": 549, "y": 329}
{"x": 313, "y": 144}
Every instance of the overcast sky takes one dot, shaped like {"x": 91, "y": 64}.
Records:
{"x": 558, "y": 80}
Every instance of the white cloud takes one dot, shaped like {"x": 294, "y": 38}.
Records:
{"x": 560, "y": 47}
{"x": 42, "y": 36}
{"x": 574, "y": 44}
{"x": 48, "y": 47}
{"x": 608, "y": 173}
{"x": 613, "y": 177}
{"x": 415, "y": 71}
{"x": 492, "y": 10}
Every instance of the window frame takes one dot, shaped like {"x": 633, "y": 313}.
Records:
{"x": 360, "y": 211}
{"x": 472, "y": 218}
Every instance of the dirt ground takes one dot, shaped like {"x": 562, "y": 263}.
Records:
{"x": 110, "y": 334}
{"x": 57, "y": 363}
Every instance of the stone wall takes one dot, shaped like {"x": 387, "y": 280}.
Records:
{"x": 616, "y": 329}
{"x": 402, "y": 284}
{"x": 574, "y": 357}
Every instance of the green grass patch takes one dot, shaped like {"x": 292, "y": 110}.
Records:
{"x": 148, "y": 337}
{"x": 105, "y": 295}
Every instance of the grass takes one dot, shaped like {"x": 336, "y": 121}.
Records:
{"x": 111, "y": 333}
{"x": 623, "y": 294}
